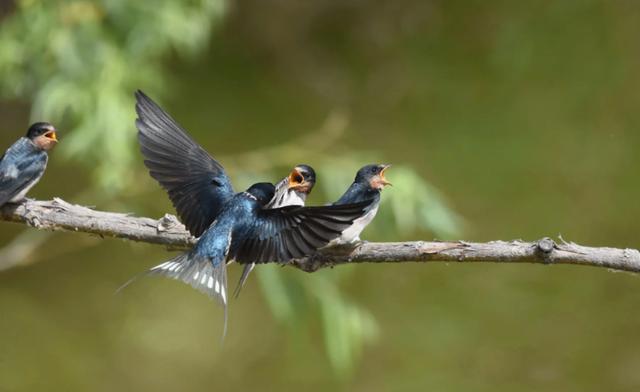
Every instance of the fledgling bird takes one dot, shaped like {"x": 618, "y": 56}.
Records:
{"x": 367, "y": 185}
{"x": 24, "y": 163}
{"x": 290, "y": 191}
{"x": 294, "y": 189}
{"x": 231, "y": 226}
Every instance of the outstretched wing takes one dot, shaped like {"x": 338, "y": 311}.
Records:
{"x": 293, "y": 232}
{"x": 197, "y": 184}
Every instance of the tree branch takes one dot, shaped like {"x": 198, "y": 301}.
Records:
{"x": 58, "y": 215}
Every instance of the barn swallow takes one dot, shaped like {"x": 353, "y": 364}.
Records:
{"x": 369, "y": 182}
{"x": 242, "y": 229}
{"x": 290, "y": 191}
{"x": 24, "y": 163}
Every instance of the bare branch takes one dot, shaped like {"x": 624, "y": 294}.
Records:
{"x": 58, "y": 215}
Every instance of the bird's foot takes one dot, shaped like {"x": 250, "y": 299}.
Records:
{"x": 352, "y": 245}
{"x": 32, "y": 219}
{"x": 357, "y": 242}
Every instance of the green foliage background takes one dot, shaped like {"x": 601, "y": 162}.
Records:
{"x": 521, "y": 115}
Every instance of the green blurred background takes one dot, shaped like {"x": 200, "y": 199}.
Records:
{"x": 503, "y": 120}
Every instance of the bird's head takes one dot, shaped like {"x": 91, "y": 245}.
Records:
{"x": 373, "y": 176}
{"x": 43, "y": 135}
{"x": 302, "y": 179}
{"x": 262, "y": 191}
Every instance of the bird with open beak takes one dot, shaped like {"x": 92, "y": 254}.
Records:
{"x": 369, "y": 182}
{"x": 294, "y": 189}
{"x": 290, "y": 191}
{"x": 24, "y": 163}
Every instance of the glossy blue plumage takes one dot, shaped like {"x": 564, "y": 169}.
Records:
{"x": 232, "y": 224}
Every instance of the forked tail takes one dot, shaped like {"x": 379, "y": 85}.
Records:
{"x": 199, "y": 272}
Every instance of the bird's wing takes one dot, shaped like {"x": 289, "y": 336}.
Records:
{"x": 197, "y": 184}
{"x": 287, "y": 233}
{"x": 19, "y": 170}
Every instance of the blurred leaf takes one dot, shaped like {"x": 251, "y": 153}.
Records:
{"x": 417, "y": 205}
{"x": 82, "y": 76}
{"x": 346, "y": 326}
{"x": 279, "y": 297}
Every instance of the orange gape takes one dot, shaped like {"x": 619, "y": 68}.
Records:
{"x": 46, "y": 141}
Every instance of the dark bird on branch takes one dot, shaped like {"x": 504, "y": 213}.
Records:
{"x": 230, "y": 226}
{"x": 368, "y": 184}
{"x": 24, "y": 163}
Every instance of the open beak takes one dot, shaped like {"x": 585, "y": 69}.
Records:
{"x": 51, "y": 135}
{"x": 297, "y": 181}
{"x": 383, "y": 180}
{"x": 295, "y": 178}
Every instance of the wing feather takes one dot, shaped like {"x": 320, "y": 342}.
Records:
{"x": 196, "y": 183}
{"x": 291, "y": 232}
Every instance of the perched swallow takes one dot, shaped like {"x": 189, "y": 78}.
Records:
{"x": 24, "y": 163}
{"x": 290, "y": 191}
{"x": 242, "y": 229}
{"x": 367, "y": 185}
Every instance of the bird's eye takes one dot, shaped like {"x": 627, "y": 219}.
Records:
{"x": 298, "y": 178}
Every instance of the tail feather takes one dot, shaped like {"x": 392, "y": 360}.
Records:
{"x": 245, "y": 274}
{"x": 198, "y": 272}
